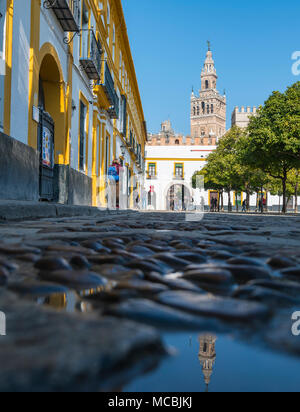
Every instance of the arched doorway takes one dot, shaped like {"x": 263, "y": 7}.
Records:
{"x": 178, "y": 198}
{"x": 51, "y": 134}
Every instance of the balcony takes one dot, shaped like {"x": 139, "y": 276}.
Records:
{"x": 151, "y": 177}
{"x": 67, "y": 13}
{"x": 131, "y": 141}
{"x": 107, "y": 95}
{"x": 91, "y": 53}
{"x": 113, "y": 111}
{"x": 139, "y": 162}
{"x": 178, "y": 177}
{"x": 124, "y": 115}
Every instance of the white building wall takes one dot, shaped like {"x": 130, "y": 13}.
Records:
{"x": 165, "y": 158}
{"x": 51, "y": 32}
{"x": 193, "y": 160}
{"x": 20, "y": 72}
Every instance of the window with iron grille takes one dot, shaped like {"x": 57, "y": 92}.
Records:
{"x": 131, "y": 138}
{"x": 179, "y": 170}
{"x": 152, "y": 169}
{"x": 124, "y": 115}
{"x": 82, "y": 144}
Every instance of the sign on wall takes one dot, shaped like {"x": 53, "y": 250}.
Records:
{"x": 47, "y": 148}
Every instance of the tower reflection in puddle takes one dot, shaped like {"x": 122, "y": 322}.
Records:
{"x": 207, "y": 356}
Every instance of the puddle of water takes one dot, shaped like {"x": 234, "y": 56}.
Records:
{"x": 229, "y": 366}
{"x": 71, "y": 301}
{"x": 203, "y": 362}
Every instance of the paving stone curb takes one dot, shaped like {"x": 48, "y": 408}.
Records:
{"x": 17, "y": 211}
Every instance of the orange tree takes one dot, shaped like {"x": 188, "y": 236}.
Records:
{"x": 273, "y": 143}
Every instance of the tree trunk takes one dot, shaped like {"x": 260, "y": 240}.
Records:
{"x": 284, "y": 206}
{"x": 248, "y": 201}
{"x": 237, "y": 202}
{"x": 229, "y": 201}
{"x": 222, "y": 201}
{"x": 262, "y": 200}
{"x": 296, "y": 197}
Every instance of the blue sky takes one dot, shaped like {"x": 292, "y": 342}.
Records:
{"x": 252, "y": 44}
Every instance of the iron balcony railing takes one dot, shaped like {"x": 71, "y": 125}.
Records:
{"x": 151, "y": 177}
{"x": 124, "y": 116}
{"x": 114, "y": 109}
{"x": 133, "y": 147}
{"x": 109, "y": 89}
{"x": 91, "y": 52}
{"x": 131, "y": 139}
{"x": 67, "y": 13}
{"x": 178, "y": 177}
{"x": 139, "y": 160}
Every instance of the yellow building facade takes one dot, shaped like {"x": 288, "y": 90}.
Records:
{"x": 69, "y": 99}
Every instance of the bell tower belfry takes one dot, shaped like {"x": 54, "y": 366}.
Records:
{"x": 207, "y": 356}
{"x": 208, "y": 110}
{"x": 209, "y": 74}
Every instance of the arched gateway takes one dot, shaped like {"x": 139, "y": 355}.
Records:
{"x": 51, "y": 129}
{"x": 178, "y": 198}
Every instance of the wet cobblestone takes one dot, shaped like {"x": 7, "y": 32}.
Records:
{"x": 234, "y": 273}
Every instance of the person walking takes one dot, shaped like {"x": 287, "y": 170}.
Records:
{"x": 144, "y": 198}
{"x": 244, "y": 210}
{"x": 215, "y": 204}
{"x": 264, "y": 204}
{"x": 119, "y": 168}
{"x": 114, "y": 178}
{"x": 260, "y": 206}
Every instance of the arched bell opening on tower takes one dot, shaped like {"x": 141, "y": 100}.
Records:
{"x": 208, "y": 109}
{"x": 207, "y": 356}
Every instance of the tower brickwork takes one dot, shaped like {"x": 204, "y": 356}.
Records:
{"x": 208, "y": 109}
{"x": 207, "y": 356}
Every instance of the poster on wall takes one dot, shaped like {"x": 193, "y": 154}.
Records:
{"x": 47, "y": 147}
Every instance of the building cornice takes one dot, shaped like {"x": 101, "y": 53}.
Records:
{"x": 174, "y": 159}
{"x": 207, "y": 116}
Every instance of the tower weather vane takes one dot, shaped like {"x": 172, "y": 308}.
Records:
{"x": 209, "y": 45}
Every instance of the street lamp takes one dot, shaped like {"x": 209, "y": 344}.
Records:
{"x": 123, "y": 150}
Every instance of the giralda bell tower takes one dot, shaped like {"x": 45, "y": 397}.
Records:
{"x": 208, "y": 110}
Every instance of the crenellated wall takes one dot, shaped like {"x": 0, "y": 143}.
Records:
{"x": 241, "y": 116}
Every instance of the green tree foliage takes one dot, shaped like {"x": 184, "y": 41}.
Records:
{"x": 292, "y": 187}
{"x": 273, "y": 144}
{"x": 225, "y": 172}
{"x": 266, "y": 156}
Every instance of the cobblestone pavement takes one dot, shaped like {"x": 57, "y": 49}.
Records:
{"x": 86, "y": 298}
